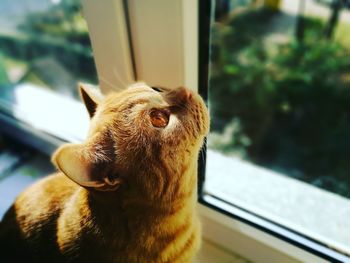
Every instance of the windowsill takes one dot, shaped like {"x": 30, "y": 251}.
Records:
{"x": 43, "y": 114}
{"x": 45, "y": 111}
{"x": 294, "y": 204}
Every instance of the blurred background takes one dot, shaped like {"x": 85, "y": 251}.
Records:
{"x": 279, "y": 90}
{"x": 45, "y": 42}
{"x": 44, "y": 51}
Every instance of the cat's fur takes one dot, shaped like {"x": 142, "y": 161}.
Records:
{"x": 127, "y": 194}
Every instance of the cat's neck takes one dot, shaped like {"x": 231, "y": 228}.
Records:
{"x": 131, "y": 197}
{"x": 127, "y": 200}
{"x": 160, "y": 191}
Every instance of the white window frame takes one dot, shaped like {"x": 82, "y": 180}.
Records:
{"x": 159, "y": 56}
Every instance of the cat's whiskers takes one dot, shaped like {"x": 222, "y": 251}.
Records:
{"x": 119, "y": 78}
{"x": 120, "y": 83}
{"x": 203, "y": 151}
{"x": 108, "y": 83}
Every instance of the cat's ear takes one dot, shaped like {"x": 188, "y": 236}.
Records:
{"x": 89, "y": 165}
{"x": 90, "y": 96}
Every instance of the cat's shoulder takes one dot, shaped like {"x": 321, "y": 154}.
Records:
{"x": 33, "y": 215}
{"x": 47, "y": 194}
{"x": 54, "y": 184}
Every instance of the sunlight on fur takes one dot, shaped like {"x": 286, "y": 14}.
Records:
{"x": 127, "y": 194}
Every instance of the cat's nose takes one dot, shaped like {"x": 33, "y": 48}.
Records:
{"x": 184, "y": 94}
{"x": 179, "y": 96}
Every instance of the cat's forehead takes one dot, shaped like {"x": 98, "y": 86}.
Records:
{"x": 135, "y": 94}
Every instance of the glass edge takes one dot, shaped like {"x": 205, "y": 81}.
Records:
{"x": 205, "y": 9}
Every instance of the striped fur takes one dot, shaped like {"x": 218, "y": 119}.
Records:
{"x": 126, "y": 195}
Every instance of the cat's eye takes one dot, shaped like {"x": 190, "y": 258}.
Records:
{"x": 159, "y": 118}
{"x": 157, "y": 89}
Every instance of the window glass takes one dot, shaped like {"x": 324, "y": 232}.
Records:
{"x": 45, "y": 43}
{"x": 279, "y": 100}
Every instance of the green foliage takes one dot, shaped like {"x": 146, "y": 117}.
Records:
{"x": 232, "y": 141}
{"x": 63, "y": 21}
{"x": 59, "y": 32}
{"x": 4, "y": 80}
{"x": 291, "y": 100}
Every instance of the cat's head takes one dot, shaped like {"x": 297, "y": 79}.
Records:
{"x": 140, "y": 130}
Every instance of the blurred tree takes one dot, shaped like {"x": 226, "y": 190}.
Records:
{"x": 4, "y": 79}
{"x": 63, "y": 20}
{"x": 273, "y": 4}
{"x": 336, "y": 6}
{"x": 284, "y": 107}
{"x": 300, "y": 25}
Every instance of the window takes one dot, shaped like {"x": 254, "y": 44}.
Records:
{"x": 44, "y": 51}
{"x": 278, "y": 98}
{"x": 166, "y": 42}
{"x": 45, "y": 43}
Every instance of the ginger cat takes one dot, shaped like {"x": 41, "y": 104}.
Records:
{"x": 127, "y": 194}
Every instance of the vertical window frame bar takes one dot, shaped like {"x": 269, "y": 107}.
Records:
{"x": 108, "y": 32}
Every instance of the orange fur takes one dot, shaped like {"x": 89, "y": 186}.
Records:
{"x": 126, "y": 194}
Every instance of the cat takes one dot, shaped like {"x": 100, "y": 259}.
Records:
{"x": 127, "y": 194}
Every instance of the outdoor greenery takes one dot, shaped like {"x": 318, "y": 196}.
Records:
{"x": 63, "y": 20}
{"x": 283, "y": 105}
{"x": 57, "y": 36}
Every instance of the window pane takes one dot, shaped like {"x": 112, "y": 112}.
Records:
{"x": 46, "y": 43}
{"x": 279, "y": 100}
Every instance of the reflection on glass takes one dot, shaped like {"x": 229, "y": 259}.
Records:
{"x": 279, "y": 100}
{"x": 280, "y": 91}
{"x": 45, "y": 43}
